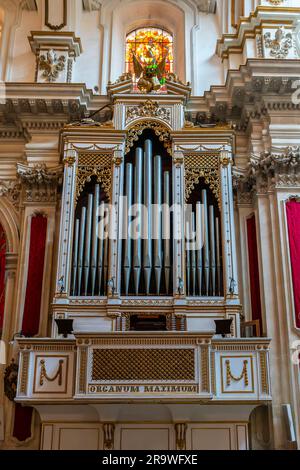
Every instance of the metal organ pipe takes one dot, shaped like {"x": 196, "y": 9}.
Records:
{"x": 212, "y": 248}
{"x": 206, "y": 243}
{"x": 167, "y": 231}
{"x": 87, "y": 252}
{"x": 75, "y": 256}
{"x": 101, "y": 226}
{"x": 81, "y": 248}
{"x": 94, "y": 238}
{"x": 147, "y": 255}
{"x": 193, "y": 256}
{"x": 128, "y": 242}
{"x": 157, "y": 221}
{"x": 150, "y": 252}
{"x": 204, "y": 262}
{"x": 200, "y": 240}
{"x": 137, "y": 246}
{"x": 218, "y": 246}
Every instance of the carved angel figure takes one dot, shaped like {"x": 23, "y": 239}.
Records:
{"x": 52, "y": 65}
{"x": 149, "y": 72}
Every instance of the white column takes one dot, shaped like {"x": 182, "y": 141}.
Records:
{"x": 178, "y": 228}
{"x": 115, "y": 251}
{"x": 67, "y": 223}
{"x": 228, "y": 227}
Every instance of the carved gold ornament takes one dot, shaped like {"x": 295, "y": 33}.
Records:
{"x": 148, "y": 109}
{"x": 45, "y": 376}
{"x": 230, "y": 376}
{"x": 160, "y": 131}
{"x": 92, "y": 164}
{"x": 205, "y": 166}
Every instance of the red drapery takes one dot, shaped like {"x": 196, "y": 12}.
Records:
{"x": 293, "y": 220}
{"x": 254, "y": 270}
{"x": 31, "y": 316}
{"x": 22, "y": 422}
{"x": 32, "y": 308}
{"x": 2, "y": 275}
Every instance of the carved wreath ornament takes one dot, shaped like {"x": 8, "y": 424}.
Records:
{"x": 52, "y": 65}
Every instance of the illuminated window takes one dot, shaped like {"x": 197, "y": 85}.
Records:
{"x": 149, "y": 44}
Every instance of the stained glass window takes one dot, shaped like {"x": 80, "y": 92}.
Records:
{"x": 146, "y": 43}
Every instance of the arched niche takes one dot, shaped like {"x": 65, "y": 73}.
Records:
{"x": 178, "y": 19}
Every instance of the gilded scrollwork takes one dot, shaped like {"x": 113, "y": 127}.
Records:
{"x": 205, "y": 166}
{"x": 93, "y": 164}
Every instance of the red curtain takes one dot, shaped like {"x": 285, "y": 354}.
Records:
{"x": 22, "y": 422}
{"x": 32, "y": 308}
{"x": 254, "y": 270}
{"x": 2, "y": 275}
{"x": 293, "y": 220}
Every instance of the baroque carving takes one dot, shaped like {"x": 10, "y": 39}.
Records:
{"x": 280, "y": 45}
{"x": 11, "y": 190}
{"x": 202, "y": 166}
{"x": 51, "y": 64}
{"x": 148, "y": 109}
{"x": 274, "y": 169}
{"x": 11, "y": 380}
{"x": 40, "y": 183}
{"x": 160, "y": 130}
{"x": 99, "y": 165}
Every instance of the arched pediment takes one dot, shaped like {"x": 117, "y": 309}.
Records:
{"x": 161, "y": 130}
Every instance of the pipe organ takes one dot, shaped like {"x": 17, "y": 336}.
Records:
{"x": 91, "y": 244}
{"x": 147, "y": 249}
{"x": 204, "y": 271}
{"x": 147, "y": 219}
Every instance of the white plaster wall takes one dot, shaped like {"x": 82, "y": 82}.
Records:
{"x": 103, "y": 35}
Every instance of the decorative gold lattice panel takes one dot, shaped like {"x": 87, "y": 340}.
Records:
{"x": 205, "y": 166}
{"x": 93, "y": 164}
{"x": 143, "y": 364}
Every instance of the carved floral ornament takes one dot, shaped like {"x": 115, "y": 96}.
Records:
{"x": 206, "y": 166}
{"x": 51, "y": 65}
{"x": 148, "y": 109}
{"x": 280, "y": 45}
{"x": 98, "y": 165}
